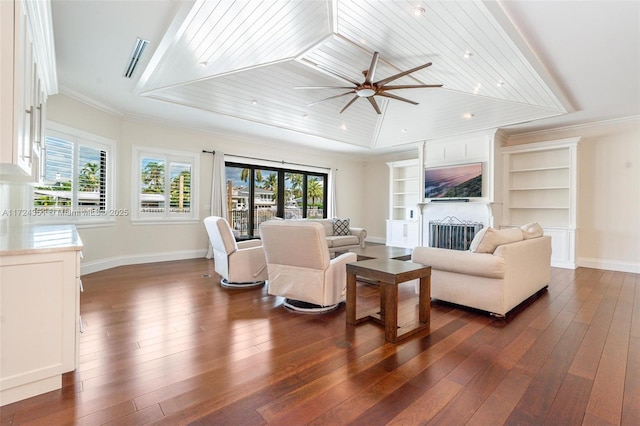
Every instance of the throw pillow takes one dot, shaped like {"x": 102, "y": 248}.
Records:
{"x": 341, "y": 227}
{"x": 532, "y": 230}
{"x": 477, "y": 239}
{"x": 492, "y": 238}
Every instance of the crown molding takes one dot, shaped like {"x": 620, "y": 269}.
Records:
{"x": 64, "y": 90}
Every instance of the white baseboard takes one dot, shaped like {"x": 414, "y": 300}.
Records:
{"x": 564, "y": 265}
{"x": 610, "y": 265}
{"x": 102, "y": 264}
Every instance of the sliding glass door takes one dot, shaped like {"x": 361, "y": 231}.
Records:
{"x": 256, "y": 194}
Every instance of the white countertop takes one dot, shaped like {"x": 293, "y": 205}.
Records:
{"x": 27, "y": 239}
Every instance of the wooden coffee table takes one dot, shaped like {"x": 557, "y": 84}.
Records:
{"x": 389, "y": 273}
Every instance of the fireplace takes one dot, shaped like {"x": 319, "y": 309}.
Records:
{"x": 452, "y": 233}
{"x": 454, "y": 224}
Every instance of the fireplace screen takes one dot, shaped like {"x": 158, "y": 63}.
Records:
{"x": 452, "y": 233}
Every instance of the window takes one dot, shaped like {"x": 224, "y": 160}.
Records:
{"x": 267, "y": 192}
{"x": 165, "y": 185}
{"x": 76, "y": 177}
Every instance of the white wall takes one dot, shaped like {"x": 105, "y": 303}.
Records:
{"x": 608, "y": 234}
{"x": 125, "y": 243}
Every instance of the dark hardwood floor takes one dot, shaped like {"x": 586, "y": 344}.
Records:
{"x": 165, "y": 344}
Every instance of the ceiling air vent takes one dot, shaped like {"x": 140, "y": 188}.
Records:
{"x": 136, "y": 53}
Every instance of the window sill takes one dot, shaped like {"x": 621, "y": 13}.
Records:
{"x": 85, "y": 223}
{"x": 156, "y": 221}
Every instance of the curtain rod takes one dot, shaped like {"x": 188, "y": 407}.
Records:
{"x": 271, "y": 161}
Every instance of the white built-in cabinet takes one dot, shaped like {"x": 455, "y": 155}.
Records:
{"x": 403, "y": 225}
{"x": 540, "y": 185}
{"x": 27, "y": 77}
{"x": 39, "y": 309}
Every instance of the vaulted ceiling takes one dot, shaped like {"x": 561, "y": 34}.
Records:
{"x": 239, "y": 66}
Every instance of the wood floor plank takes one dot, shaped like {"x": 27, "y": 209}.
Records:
{"x": 541, "y": 393}
{"x": 607, "y": 393}
{"x": 165, "y": 344}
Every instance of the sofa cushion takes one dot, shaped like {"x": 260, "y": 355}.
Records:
{"x": 342, "y": 240}
{"x": 532, "y": 230}
{"x": 341, "y": 226}
{"x": 488, "y": 239}
{"x": 461, "y": 262}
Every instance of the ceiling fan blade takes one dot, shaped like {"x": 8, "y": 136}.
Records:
{"x": 340, "y": 76}
{"x": 355, "y": 98}
{"x": 402, "y": 74}
{"x": 408, "y": 86}
{"x": 332, "y": 97}
{"x": 323, "y": 87}
{"x": 372, "y": 68}
{"x": 374, "y": 104}
{"x": 389, "y": 95}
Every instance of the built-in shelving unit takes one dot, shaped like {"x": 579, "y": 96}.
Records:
{"x": 540, "y": 185}
{"x": 404, "y": 178}
{"x": 403, "y": 226}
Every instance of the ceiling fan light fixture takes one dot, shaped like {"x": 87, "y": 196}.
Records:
{"x": 365, "y": 92}
{"x": 370, "y": 89}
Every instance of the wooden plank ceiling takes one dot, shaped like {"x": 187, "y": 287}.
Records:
{"x": 245, "y": 59}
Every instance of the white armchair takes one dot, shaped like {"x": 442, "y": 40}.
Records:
{"x": 300, "y": 267}
{"x": 240, "y": 264}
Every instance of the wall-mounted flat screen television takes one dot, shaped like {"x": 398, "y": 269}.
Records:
{"x": 458, "y": 181}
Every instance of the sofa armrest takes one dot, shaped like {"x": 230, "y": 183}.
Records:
{"x": 248, "y": 244}
{"x": 461, "y": 262}
{"x": 529, "y": 257}
{"x": 361, "y": 233}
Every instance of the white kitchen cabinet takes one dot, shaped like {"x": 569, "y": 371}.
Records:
{"x": 39, "y": 309}
{"x": 27, "y": 77}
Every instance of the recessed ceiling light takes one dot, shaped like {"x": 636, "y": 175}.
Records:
{"x": 404, "y": 130}
{"x": 254, "y": 102}
{"x": 468, "y": 54}
{"x": 203, "y": 64}
{"x": 501, "y": 83}
{"x": 343, "y": 127}
{"x": 467, "y": 115}
{"x": 418, "y": 11}
{"x": 305, "y": 116}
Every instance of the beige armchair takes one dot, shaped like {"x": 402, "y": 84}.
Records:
{"x": 300, "y": 267}
{"x": 241, "y": 264}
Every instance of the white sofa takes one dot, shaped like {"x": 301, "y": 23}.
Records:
{"x": 355, "y": 238}
{"x": 494, "y": 277}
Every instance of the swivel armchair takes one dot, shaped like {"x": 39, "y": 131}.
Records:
{"x": 240, "y": 264}
{"x": 300, "y": 267}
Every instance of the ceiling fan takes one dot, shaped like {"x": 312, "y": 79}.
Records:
{"x": 369, "y": 88}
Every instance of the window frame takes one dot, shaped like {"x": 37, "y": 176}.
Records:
{"x": 78, "y": 216}
{"x": 169, "y": 156}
